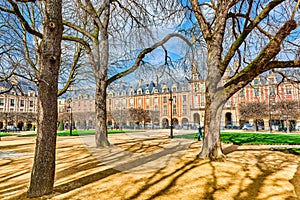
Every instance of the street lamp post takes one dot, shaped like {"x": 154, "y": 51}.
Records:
{"x": 70, "y": 108}
{"x": 171, "y": 104}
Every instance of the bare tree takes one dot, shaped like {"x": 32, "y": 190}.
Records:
{"x": 120, "y": 116}
{"x": 49, "y": 52}
{"x": 139, "y": 115}
{"x": 104, "y": 23}
{"x": 154, "y": 115}
{"x": 36, "y": 29}
{"x": 287, "y": 110}
{"x": 255, "y": 35}
{"x": 253, "y": 110}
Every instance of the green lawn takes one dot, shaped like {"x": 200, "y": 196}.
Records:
{"x": 257, "y": 139}
{"x": 3, "y": 134}
{"x": 254, "y": 138}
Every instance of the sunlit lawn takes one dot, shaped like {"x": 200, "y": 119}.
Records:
{"x": 257, "y": 139}
{"x": 3, "y": 134}
{"x": 254, "y": 138}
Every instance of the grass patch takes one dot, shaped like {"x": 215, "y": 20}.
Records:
{"x": 3, "y": 134}
{"x": 257, "y": 139}
{"x": 254, "y": 138}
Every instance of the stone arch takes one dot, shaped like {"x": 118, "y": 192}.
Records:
{"x": 184, "y": 121}
{"x": 228, "y": 118}
{"x": 196, "y": 118}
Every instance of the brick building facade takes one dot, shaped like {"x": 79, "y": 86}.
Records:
{"x": 188, "y": 103}
{"x": 18, "y": 106}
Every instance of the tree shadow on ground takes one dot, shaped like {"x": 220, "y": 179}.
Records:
{"x": 168, "y": 178}
{"x": 74, "y": 184}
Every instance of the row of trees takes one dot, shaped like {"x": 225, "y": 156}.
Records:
{"x": 136, "y": 115}
{"x": 284, "y": 110}
{"x": 252, "y": 34}
{"x": 17, "y": 118}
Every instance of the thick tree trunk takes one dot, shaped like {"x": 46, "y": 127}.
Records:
{"x": 212, "y": 148}
{"x": 215, "y": 97}
{"x": 101, "y": 127}
{"x": 43, "y": 171}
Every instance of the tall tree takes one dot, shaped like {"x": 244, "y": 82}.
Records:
{"x": 42, "y": 52}
{"x": 120, "y": 22}
{"x": 255, "y": 35}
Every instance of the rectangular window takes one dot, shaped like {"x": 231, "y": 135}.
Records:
{"x": 22, "y": 103}
{"x": 124, "y": 103}
{"x": 184, "y": 110}
{"x": 174, "y": 110}
{"x": 165, "y": 110}
{"x": 155, "y": 101}
{"x": 196, "y": 101}
{"x": 156, "y": 107}
{"x": 31, "y": 104}
{"x": 202, "y": 100}
{"x": 139, "y": 102}
{"x": 196, "y": 87}
{"x": 256, "y": 92}
{"x": 202, "y": 87}
{"x": 165, "y": 100}
{"x": 1, "y": 101}
{"x": 272, "y": 91}
{"x": 242, "y": 93}
{"x": 131, "y": 102}
{"x": 183, "y": 98}
{"x": 288, "y": 90}
{"x": 174, "y": 99}
{"x": 12, "y": 102}
{"x": 148, "y": 101}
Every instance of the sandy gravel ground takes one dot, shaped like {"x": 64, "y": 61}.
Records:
{"x": 151, "y": 166}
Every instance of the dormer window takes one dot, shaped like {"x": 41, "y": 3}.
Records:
{"x": 165, "y": 90}
{"x": 147, "y": 91}
{"x": 139, "y": 92}
{"x": 123, "y": 93}
{"x": 255, "y": 82}
{"x": 288, "y": 90}
{"x": 174, "y": 89}
{"x": 155, "y": 90}
{"x": 110, "y": 94}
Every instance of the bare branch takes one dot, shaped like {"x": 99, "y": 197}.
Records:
{"x": 246, "y": 32}
{"x": 23, "y": 21}
{"x": 143, "y": 53}
{"x": 73, "y": 71}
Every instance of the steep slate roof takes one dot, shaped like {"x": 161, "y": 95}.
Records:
{"x": 144, "y": 86}
{"x": 23, "y": 86}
